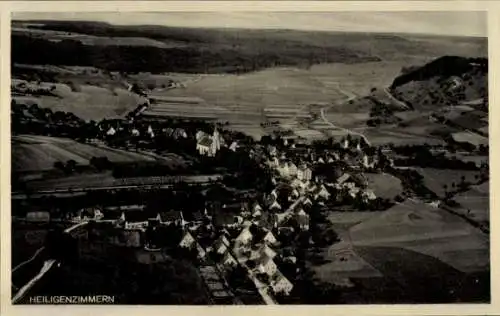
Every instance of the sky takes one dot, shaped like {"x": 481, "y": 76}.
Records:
{"x": 462, "y": 23}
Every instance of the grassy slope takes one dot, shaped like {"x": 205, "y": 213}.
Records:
{"x": 40, "y": 153}
{"x": 435, "y": 232}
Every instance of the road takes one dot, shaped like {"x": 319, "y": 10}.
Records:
{"x": 47, "y": 265}
{"x": 29, "y": 260}
{"x": 395, "y": 100}
{"x": 349, "y": 96}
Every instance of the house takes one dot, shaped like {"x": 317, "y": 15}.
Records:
{"x": 256, "y": 208}
{"x": 135, "y": 132}
{"x": 111, "y": 131}
{"x": 234, "y": 146}
{"x": 229, "y": 260}
{"x": 275, "y": 206}
{"x": 88, "y": 214}
{"x": 224, "y": 240}
{"x": 134, "y": 219}
{"x": 290, "y": 259}
{"x": 307, "y": 202}
{"x": 204, "y": 146}
{"x": 187, "y": 241}
{"x": 280, "y": 284}
{"x": 369, "y": 195}
{"x": 284, "y": 170}
{"x": 343, "y": 178}
{"x": 221, "y": 245}
{"x": 199, "y": 135}
{"x": 179, "y": 133}
{"x": 346, "y": 144}
{"x": 274, "y": 194}
{"x": 269, "y": 238}
{"x": 245, "y": 236}
{"x": 322, "y": 193}
{"x": 150, "y": 132}
{"x": 201, "y": 252}
{"x": 171, "y": 217}
{"x": 292, "y": 169}
{"x": 302, "y": 219}
{"x": 266, "y": 265}
{"x": 267, "y": 251}
{"x": 274, "y": 162}
{"x": 279, "y": 218}
{"x": 256, "y": 213}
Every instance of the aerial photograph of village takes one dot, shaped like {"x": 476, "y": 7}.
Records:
{"x": 249, "y": 158}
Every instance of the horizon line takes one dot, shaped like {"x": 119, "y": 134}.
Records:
{"x": 222, "y": 28}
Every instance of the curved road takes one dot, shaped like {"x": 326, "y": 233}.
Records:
{"x": 47, "y": 265}
{"x": 349, "y": 96}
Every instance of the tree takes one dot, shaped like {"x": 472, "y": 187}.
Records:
{"x": 59, "y": 165}
{"x": 70, "y": 165}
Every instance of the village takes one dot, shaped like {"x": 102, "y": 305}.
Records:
{"x": 255, "y": 234}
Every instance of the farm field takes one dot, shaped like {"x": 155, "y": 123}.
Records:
{"x": 434, "y": 179}
{"x": 469, "y": 158}
{"x": 87, "y": 101}
{"x": 475, "y": 203}
{"x": 166, "y": 106}
{"x": 38, "y": 153}
{"x": 469, "y": 137}
{"x": 281, "y": 92}
{"x": 421, "y": 228}
{"x": 384, "y": 185}
{"x": 381, "y": 137}
{"x": 425, "y": 278}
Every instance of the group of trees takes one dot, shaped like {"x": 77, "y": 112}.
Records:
{"x": 191, "y": 58}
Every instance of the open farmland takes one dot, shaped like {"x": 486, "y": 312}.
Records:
{"x": 422, "y": 278}
{"x": 182, "y": 107}
{"x": 38, "y": 153}
{"x": 384, "y": 185}
{"x": 471, "y": 138}
{"x": 475, "y": 203}
{"x": 281, "y": 93}
{"x": 85, "y": 101}
{"x": 382, "y": 137}
{"x": 421, "y": 228}
{"x": 435, "y": 179}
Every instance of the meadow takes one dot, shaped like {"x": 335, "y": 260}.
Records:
{"x": 424, "y": 229}
{"x": 475, "y": 203}
{"x": 38, "y": 153}
{"x": 87, "y": 101}
{"x": 436, "y": 179}
{"x": 384, "y": 185}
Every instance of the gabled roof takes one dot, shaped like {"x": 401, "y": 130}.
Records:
{"x": 229, "y": 256}
{"x": 275, "y": 205}
{"x": 205, "y": 141}
{"x": 343, "y": 178}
